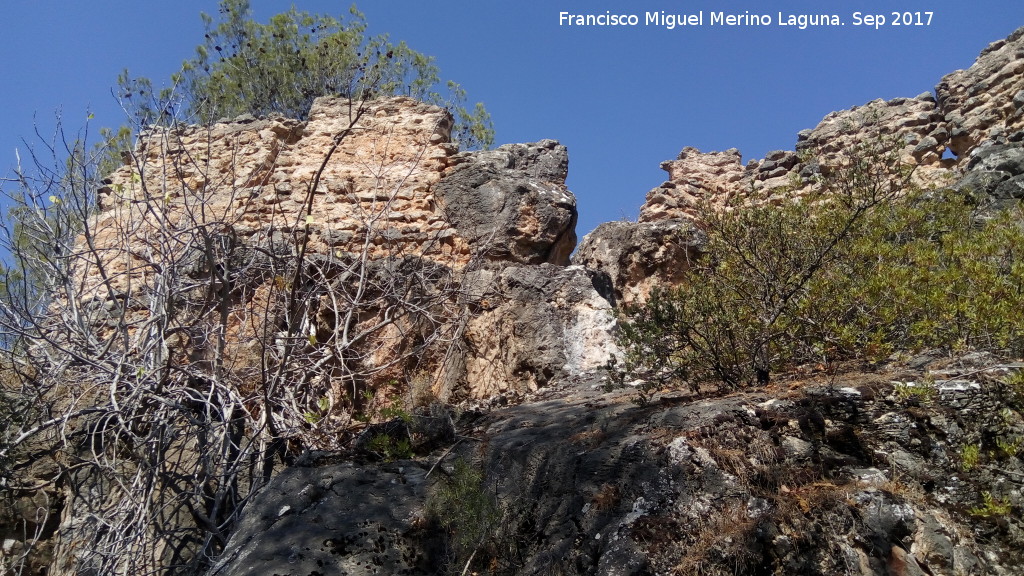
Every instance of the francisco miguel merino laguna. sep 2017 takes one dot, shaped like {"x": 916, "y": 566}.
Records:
{"x": 800, "y": 21}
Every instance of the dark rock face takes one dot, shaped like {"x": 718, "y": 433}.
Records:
{"x": 512, "y": 202}
{"x": 864, "y": 475}
{"x": 334, "y": 520}
{"x": 995, "y": 175}
{"x": 1007, "y": 158}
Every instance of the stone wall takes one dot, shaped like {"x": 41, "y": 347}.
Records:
{"x": 253, "y": 176}
{"x": 389, "y": 185}
{"x": 937, "y": 134}
{"x": 942, "y": 135}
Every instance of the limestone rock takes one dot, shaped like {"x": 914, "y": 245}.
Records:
{"x": 637, "y": 256}
{"x": 994, "y": 174}
{"x": 511, "y": 203}
{"x": 533, "y": 325}
{"x": 716, "y": 180}
{"x": 339, "y": 519}
{"x": 380, "y": 181}
{"x": 916, "y": 122}
{"x": 588, "y": 483}
{"x": 694, "y": 177}
{"x": 978, "y": 103}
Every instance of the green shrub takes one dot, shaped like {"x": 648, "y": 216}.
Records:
{"x": 920, "y": 391}
{"x": 862, "y": 267}
{"x": 992, "y": 507}
{"x": 247, "y": 67}
{"x": 466, "y": 510}
{"x": 390, "y": 448}
{"x": 925, "y": 272}
{"x": 970, "y": 457}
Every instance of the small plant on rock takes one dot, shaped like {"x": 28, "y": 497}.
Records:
{"x": 992, "y": 507}
{"x": 463, "y": 506}
{"x": 970, "y": 457}
{"x": 390, "y": 448}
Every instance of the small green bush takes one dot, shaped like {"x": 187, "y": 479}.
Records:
{"x": 992, "y": 507}
{"x": 919, "y": 391}
{"x": 463, "y": 506}
{"x": 970, "y": 457}
{"x": 390, "y": 448}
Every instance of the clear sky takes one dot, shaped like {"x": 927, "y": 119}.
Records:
{"x": 622, "y": 98}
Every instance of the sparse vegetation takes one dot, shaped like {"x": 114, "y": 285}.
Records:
{"x": 390, "y": 448}
{"x": 992, "y": 507}
{"x": 1008, "y": 447}
{"x": 246, "y": 67}
{"x": 923, "y": 391}
{"x": 1014, "y": 389}
{"x": 860, "y": 267}
{"x": 463, "y": 506}
{"x": 970, "y": 457}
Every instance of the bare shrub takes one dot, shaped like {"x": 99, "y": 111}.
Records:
{"x": 163, "y": 355}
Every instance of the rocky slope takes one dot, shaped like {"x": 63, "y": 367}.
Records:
{"x": 908, "y": 468}
{"x": 862, "y": 473}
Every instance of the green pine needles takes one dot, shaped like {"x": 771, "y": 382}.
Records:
{"x": 246, "y": 67}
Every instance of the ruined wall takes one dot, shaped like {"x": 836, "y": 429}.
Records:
{"x": 721, "y": 178}
{"x": 389, "y": 187}
{"x": 942, "y": 135}
{"x": 982, "y": 104}
{"x": 252, "y": 177}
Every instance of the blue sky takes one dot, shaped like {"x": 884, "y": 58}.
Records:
{"x": 622, "y": 99}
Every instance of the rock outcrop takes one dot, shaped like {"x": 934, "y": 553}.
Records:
{"x": 720, "y": 179}
{"x": 338, "y": 519}
{"x": 911, "y": 468}
{"x": 639, "y": 256}
{"x": 534, "y": 325}
{"x": 863, "y": 475}
{"x": 937, "y": 134}
{"x": 512, "y": 203}
{"x": 985, "y": 101}
{"x": 995, "y": 174}
{"x": 388, "y": 186}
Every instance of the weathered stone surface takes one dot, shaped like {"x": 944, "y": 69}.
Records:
{"x": 978, "y": 103}
{"x": 994, "y": 175}
{"x": 970, "y": 108}
{"x": 511, "y": 203}
{"x": 339, "y": 519}
{"x": 636, "y": 256}
{"x": 844, "y": 476}
{"x": 695, "y": 178}
{"x": 393, "y": 189}
{"x": 1007, "y": 158}
{"x": 699, "y": 180}
{"x": 254, "y": 176}
{"x": 916, "y": 122}
{"x": 387, "y": 217}
{"x": 533, "y": 325}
